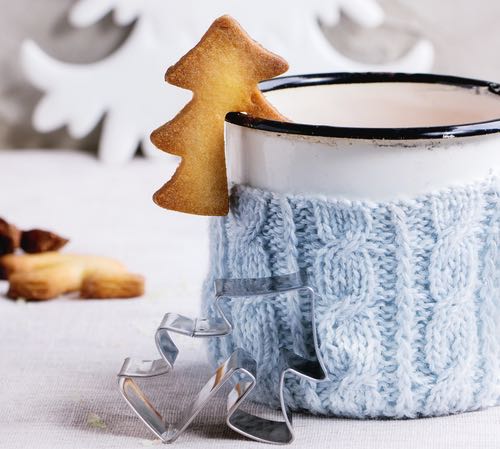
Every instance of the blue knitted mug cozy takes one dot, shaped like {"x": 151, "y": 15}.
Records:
{"x": 409, "y": 317}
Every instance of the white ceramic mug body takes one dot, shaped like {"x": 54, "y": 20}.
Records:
{"x": 383, "y": 189}
{"x": 372, "y": 137}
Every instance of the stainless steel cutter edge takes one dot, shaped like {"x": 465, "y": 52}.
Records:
{"x": 240, "y": 366}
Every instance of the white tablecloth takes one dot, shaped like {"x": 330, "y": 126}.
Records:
{"x": 58, "y": 360}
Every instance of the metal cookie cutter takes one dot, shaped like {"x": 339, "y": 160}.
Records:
{"x": 240, "y": 368}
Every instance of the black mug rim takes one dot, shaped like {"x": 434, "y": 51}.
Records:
{"x": 409, "y": 133}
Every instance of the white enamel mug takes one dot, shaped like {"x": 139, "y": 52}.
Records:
{"x": 384, "y": 187}
{"x": 371, "y": 136}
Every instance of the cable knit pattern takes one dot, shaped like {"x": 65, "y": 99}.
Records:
{"x": 409, "y": 316}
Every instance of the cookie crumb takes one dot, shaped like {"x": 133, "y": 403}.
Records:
{"x": 95, "y": 421}
{"x": 149, "y": 443}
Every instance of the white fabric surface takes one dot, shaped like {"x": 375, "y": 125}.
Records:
{"x": 58, "y": 360}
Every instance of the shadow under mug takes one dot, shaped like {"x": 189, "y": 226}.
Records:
{"x": 385, "y": 187}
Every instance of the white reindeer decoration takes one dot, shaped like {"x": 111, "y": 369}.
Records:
{"x": 128, "y": 85}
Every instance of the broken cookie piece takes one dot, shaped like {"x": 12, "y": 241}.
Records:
{"x": 101, "y": 285}
{"x": 40, "y": 241}
{"x": 34, "y": 241}
{"x": 10, "y": 237}
{"x": 39, "y": 277}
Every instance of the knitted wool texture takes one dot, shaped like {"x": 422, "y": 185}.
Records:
{"x": 409, "y": 316}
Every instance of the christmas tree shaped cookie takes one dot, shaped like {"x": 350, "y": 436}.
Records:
{"x": 223, "y": 72}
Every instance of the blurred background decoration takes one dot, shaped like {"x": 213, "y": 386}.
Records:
{"x": 109, "y": 90}
{"x": 126, "y": 84}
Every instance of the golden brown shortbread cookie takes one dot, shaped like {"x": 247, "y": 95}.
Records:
{"x": 223, "y": 72}
{"x": 40, "y": 277}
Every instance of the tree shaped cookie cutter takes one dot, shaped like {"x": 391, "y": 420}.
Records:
{"x": 240, "y": 367}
